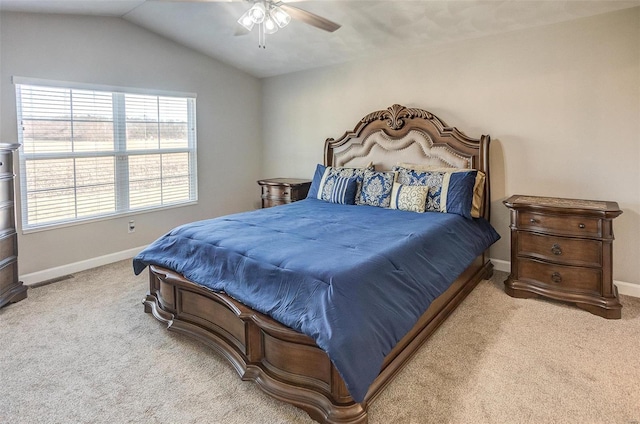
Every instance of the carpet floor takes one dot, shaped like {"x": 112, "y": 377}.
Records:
{"x": 83, "y": 351}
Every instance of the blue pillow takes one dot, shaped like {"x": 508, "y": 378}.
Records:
{"x": 459, "y": 193}
{"x": 344, "y": 191}
{"x": 331, "y": 174}
{"x": 449, "y": 192}
{"x": 376, "y": 188}
{"x": 315, "y": 183}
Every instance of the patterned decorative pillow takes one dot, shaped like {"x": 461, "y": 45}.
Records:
{"x": 376, "y": 188}
{"x": 329, "y": 177}
{"x": 449, "y": 192}
{"x": 478, "y": 187}
{"x": 344, "y": 191}
{"x": 409, "y": 198}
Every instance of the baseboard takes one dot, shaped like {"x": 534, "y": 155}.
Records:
{"x": 500, "y": 265}
{"x": 627, "y": 289}
{"x": 59, "y": 271}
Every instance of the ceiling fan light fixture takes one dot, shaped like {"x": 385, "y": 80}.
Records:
{"x": 281, "y": 17}
{"x": 270, "y": 25}
{"x": 258, "y": 13}
{"x": 246, "y": 20}
{"x": 269, "y": 16}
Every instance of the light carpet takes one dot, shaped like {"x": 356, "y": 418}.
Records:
{"x": 83, "y": 351}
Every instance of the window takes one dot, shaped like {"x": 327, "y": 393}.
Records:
{"x": 91, "y": 152}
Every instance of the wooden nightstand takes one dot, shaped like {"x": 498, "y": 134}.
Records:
{"x": 279, "y": 191}
{"x": 562, "y": 249}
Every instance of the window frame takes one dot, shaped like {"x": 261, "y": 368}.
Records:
{"x": 119, "y": 153}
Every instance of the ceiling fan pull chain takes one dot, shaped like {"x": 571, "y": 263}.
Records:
{"x": 261, "y": 38}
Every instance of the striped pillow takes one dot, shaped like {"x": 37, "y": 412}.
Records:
{"x": 330, "y": 174}
{"x": 344, "y": 190}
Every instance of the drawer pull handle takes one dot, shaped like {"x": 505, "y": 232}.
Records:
{"x": 581, "y": 225}
{"x": 556, "y": 277}
{"x": 533, "y": 220}
{"x": 556, "y": 250}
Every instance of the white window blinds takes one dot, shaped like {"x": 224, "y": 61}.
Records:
{"x": 90, "y": 152}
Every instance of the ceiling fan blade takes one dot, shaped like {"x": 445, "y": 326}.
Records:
{"x": 196, "y": 1}
{"x": 309, "y": 18}
{"x": 240, "y": 30}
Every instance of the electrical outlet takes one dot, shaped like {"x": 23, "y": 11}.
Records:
{"x": 132, "y": 226}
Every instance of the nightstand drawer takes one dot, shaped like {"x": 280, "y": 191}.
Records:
{"x": 269, "y": 203}
{"x": 9, "y": 245}
{"x": 581, "y": 252}
{"x": 275, "y": 192}
{"x": 560, "y": 276}
{"x": 564, "y": 225}
{"x": 6, "y": 162}
{"x": 6, "y": 188}
{"x": 7, "y": 218}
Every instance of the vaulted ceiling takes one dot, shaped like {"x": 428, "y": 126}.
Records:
{"x": 369, "y": 28}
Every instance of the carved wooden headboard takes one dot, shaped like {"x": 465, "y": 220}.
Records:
{"x": 401, "y": 134}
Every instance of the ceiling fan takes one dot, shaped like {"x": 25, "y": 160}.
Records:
{"x": 270, "y": 15}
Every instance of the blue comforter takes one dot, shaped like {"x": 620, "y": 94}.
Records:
{"x": 354, "y": 278}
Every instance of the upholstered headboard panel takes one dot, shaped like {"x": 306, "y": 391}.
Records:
{"x": 385, "y": 152}
{"x": 399, "y": 134}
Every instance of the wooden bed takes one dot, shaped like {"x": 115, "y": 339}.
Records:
{"x": 285, "y": 363}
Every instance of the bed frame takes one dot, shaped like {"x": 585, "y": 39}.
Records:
{"x": 285, "y": 363}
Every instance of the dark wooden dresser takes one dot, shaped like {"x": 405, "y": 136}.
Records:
{"x": 562, "y": 249}
{"x": 11, "y": 290}
{"x": 279, "y": 191}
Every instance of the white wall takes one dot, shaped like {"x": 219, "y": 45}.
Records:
{"x": 112, "y": 51}
{"x": 561, "y": 102}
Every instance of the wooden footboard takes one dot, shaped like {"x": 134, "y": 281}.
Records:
{"x": 285, "y": 363}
